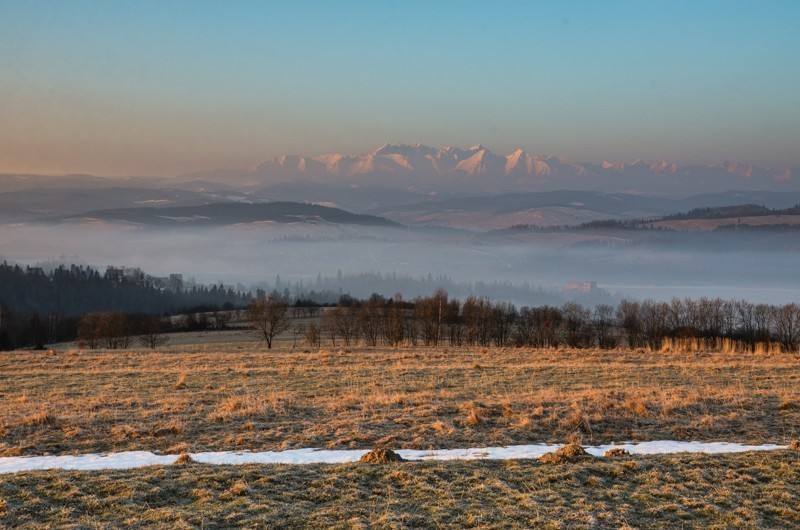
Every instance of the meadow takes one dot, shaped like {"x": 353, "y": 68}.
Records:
{"x": 202, "y": 395}
{"x": 748, "y": 490}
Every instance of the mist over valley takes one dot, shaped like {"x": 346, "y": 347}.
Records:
{"x": 636, "y": 245}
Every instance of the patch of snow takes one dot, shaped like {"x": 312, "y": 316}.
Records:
{"x": 88, "y": 462}
{"x": 135, "y": 459}
{"x": 290, "y": 456}
{"x": 669, "y": 447}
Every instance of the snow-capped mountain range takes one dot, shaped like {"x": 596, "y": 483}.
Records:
{"x": 477, "y": 168}
{"x": 421, "y": 160}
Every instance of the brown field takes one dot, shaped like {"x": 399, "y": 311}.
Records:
{"x": 241, "y": 396}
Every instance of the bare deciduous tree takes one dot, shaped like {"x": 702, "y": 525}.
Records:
{"x": 503, "y": 316}
{"x": 762, "y": 320}
{"x": 787, "y": 325}
{"x": 395, "y": 321}
{"x": 346, "y": 320}
{"x": 430, "y": 313}
{"x": 89, "y": 334}
{"x": 115, "y": 329}
{"x": 312, "y": 334}
{"x": 151, "y": 336}
{"x": 603, "y": 323}
{"x": 370, "y": 319}
{"x": 629, "y": 319}
{"x": 329, "y": 325}
{"x": 575, "y": 323}
{"x": 653, "y": 317}
{"x": 269, "y": 316}
{"x": 110, "y": 329}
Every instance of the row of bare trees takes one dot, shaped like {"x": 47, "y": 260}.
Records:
{"x": 647, "y": 323}
{"x": 440, "y": 320}
{"x": 115, "y": 329}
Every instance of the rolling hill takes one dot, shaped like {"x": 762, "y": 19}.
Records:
{"x": 225, "y": 214}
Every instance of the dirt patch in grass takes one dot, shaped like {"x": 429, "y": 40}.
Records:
{"x": 569, "y": 453}
{"x": 381, "y": 456}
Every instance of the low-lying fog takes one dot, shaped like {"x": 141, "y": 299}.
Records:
{"x": 251, "y": 254}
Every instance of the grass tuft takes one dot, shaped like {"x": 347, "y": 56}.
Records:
{"x": 178, "y": 449}
{"x": 122, "y": 433}
{"x": 41, "y": 417}
{"x": 184, "y": 458}
{"x": 239, "y": 488}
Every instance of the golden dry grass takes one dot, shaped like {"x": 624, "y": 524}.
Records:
{"x": 241, "y": 396}
{"x": 749, "y": 490}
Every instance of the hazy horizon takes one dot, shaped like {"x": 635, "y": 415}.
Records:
{"x": 164, "y": 88}
{"x": 178, "y": 87}
{"x": 367, "y": 151}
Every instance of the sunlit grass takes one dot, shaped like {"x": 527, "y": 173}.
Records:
{"x": 241, "y": 396}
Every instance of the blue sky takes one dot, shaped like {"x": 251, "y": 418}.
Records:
{"x": 164, "y": 87}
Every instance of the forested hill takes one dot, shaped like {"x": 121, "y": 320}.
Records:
{"x": 726, "y": 212}
{"x": 222, "y": 214}
{"x": 74, "y": 290}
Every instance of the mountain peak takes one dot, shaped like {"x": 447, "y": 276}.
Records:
{"x": 417, "y": 165}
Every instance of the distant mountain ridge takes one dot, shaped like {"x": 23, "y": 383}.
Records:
{"x": 225, "y": 214}
{"x": 419, "y": 168}
{"x": 477, "y": 168}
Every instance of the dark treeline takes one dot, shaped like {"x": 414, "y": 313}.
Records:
{"x": 75, "y": 290}
{"x": 646, "y": 224}
{"x": 600, "y": 224}
{"x": 112, "y": 310}
{"x": 441, "y": 320}
{"x": 110, "y": 329}
{"x": 38, "y": 307}
{"x": 725, "y": 212}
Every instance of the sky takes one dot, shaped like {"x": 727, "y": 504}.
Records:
{"x": 163, "y": 87}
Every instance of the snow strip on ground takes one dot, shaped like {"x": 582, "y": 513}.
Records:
{"x": 134, "y": 459}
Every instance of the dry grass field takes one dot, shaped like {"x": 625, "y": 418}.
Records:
{"x": 237, "y": 395}
{"x": 241, "y": 396}
{"x": 749, "y": 490}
